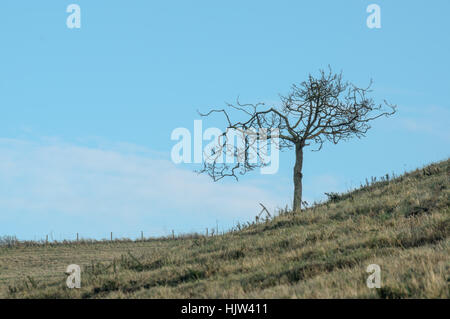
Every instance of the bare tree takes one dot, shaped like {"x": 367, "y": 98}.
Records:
{"x": 322, "y": 108}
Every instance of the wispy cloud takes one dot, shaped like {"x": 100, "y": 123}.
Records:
{"x": 121, "y": 186}
{"x": 431, "y": 120}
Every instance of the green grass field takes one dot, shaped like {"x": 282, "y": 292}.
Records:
{"x": 401, "y": 224}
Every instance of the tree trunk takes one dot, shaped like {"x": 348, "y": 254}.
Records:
{"x": 298, "y": 177}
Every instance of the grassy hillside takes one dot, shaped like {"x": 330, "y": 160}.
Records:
{"x": 401, "y": 224}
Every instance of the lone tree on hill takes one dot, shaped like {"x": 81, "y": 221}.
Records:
{"x": 322, "y": 108}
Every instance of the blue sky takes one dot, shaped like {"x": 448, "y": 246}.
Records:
{"x": 86, "y": 114}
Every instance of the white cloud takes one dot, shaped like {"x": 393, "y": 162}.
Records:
{"x": 54, "y": 179}
{"x": 431, "y": 120}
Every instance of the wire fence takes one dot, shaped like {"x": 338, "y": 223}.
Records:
{"x": 142, "y": 235}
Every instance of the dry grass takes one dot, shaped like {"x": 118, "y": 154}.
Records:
{"x": 401, "y": 224}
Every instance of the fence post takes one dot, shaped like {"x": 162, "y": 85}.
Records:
{"x": 173, "y": 234}
{"x": 142, "y": 235}
{"x": 46, "y": 239}
{"x": 111, "y": 236}
{"x": 77, "y": 238}
{"x": 206, "y": 231}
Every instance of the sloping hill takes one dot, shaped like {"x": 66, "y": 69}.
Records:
{"x": 401, "y": 224}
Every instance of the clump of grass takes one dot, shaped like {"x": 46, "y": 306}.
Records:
{"x": 8, "y": 241}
